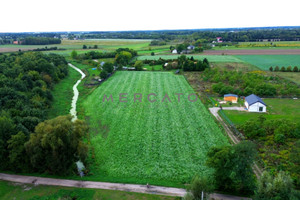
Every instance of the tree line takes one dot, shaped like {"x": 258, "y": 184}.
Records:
{"x": 233, "y": 35}
{"x": 283, "y": 69}
{"x": 39, "y": 41}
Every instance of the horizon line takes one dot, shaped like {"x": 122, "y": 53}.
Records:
{"x": 156, "y": 30}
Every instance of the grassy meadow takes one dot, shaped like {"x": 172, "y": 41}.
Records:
{"x": 162, "y": 143}
{"x": 292, "y": 76}
{"x": 63, "y": 94}
{"x": 17, "y": 191}
{"x": 276, "y": 109}
{"x": 264, "y": 62}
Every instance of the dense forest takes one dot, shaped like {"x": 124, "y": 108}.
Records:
{"x": 26, "y": 80}
{"x": 39, "y": 41}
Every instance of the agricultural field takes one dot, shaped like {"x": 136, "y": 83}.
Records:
{"x": 160, "y": 143}
{"x": 260, "y": 45}
{"x": 264, "y": 62}
{"x": 16, "y": 191}
{"x": 276, "y": 109}
{"x": 211, "y": 58}
{"x": 142, "y": 46}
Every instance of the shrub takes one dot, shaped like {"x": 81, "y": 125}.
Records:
{"x": 295, "y": 69}
{"x": 282, "y": 69}
{"x": 276, "y": 69}
{"x": 279, "y": 138}
{"x": 289, "y": 69}
{"x": 103, "y": 74}
{"x": 271, "y": 69}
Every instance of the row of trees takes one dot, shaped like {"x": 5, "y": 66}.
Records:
{"x": 39, "y": 41}
{"x": 283, "y": 69}
{"x": 234, "y": 35}
{"x": 92, "y": 55}
{"x": 246, "y": 83}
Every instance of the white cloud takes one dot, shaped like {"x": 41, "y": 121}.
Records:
{"x": 91, "y": 15}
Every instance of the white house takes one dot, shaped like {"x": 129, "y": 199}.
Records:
{"x": 255, "y": 104}
{"x": 174, "y": 51}
{"x": 191, "y": 47}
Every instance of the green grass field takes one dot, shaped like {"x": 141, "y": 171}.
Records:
{"x": 161, "y": 143}
{"x": 155, "y": 67}
{"x": 264, "y": 62}
{"x": 63, "y": 94}
{"x": 142, "y": 46}
{"x": 17, "y": 191}
{"x": 211, "y": 58}
{"x": 276, "y": 109}
{"x": 292, "y": 76}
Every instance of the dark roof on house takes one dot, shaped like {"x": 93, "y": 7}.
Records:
{"x": 230, "y": 95}
{"x": 252, "y": 99}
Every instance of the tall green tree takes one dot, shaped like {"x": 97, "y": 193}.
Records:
{"x": 57, "y": 144}
{"x": 7, "y": 128}
{"x": 232, "y": 166}
{"x": 123, "y": 57}
{"x": 17, "y": 155}
{"x": 74, "y": 54}
{"x": 108, "y": 67}
{"x": 138, "y": 65}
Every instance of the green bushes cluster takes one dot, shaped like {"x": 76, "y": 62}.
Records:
{"x": 246, "y": 83}
{"x": 277, "y": 143}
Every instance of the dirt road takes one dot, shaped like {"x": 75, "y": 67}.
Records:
{"x": 95, "y": 185}
{"x": 168, "y": 191}
{"x": 231, "y": 135}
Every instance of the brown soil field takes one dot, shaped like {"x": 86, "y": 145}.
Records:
{"x": 253, "y": 52}
{"x": 5, "y": 50}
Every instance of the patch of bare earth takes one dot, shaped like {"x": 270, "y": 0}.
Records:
{"x": 7, "y": 50}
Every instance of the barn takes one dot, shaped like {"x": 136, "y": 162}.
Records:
{"x": 231, "y": 97}
{"x": 255, "y": 104}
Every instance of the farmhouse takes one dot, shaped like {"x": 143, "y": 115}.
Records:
{"x": 255, "y": 104}
{"x": 174, "y": 51}
{"x": 191, "y": 47}
{"x": 231, "y": 97}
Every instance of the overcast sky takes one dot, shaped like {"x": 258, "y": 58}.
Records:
{"x": 116, "y": 15}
